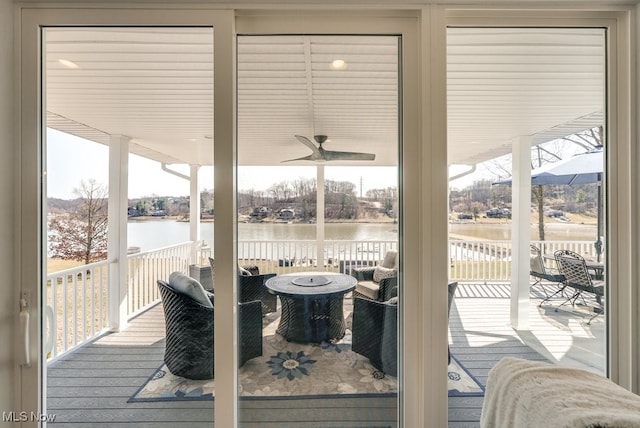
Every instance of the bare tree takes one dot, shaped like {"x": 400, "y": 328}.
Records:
{"x": 81, "y": 234}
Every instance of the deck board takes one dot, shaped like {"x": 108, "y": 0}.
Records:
{"x": 91, "y": 386}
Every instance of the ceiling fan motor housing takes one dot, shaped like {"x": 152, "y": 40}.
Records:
{"x": 320, "y": 138}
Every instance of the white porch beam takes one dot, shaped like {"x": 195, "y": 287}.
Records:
{"x": 194, "y": 212}
{"x": 520, "y": 232}
{"x": 320, "y": 216}
{"x": 117, "y": 235}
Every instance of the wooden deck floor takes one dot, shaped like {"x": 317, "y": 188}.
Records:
{"x": 90, "y": 387}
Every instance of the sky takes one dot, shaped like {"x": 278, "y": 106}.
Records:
{"x": 72, "y": 159}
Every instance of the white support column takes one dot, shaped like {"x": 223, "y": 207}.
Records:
{"x": 117, "y": 245}
{"x": 520, "y": 232}
{"x": 194, "y": 212}
{"x": 320, "y": 216}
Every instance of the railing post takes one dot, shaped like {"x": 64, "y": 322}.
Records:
{"x": 320, "y": 216}
{"x": 117, "y": 239}
{"x": 194, "y": 213}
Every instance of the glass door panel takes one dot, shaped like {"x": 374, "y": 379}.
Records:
{"x": 539, "y": 92}
{"x": 318, "y": 143}
{"x": 129, "y": 155}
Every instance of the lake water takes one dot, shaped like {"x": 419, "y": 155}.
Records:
{"x": 161, "y": 233}
{"x": 502, "y": 231}
{"x": 152, "y": 234}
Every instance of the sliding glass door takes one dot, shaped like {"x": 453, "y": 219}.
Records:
{"x": 127, "y": 202}
{"x": 318, "y": 158}
{"x": 527, "y": 142}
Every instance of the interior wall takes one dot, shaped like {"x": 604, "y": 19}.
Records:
{"x": 8, "y": 305}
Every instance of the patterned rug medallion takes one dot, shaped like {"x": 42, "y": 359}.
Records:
{"x": 288, "y": 369}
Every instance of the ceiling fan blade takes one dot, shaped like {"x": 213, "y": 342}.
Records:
{"x": 308, "y": 143}
{"x": 310, "y": 157}
{"x": 330, "y": 155}
{"x": 321, "y": 155}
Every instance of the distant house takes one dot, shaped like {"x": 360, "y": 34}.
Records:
{"x": 499, "y": 213}
{"x": 261, "y": 212}
{"x": 286, "y": 214}
{"x": 132, "y": 212}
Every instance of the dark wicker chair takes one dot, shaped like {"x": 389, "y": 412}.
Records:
{"x": 375, "y": 330}
{"x": 382, "y": 290}
{"x": 189, "y": 333}
{"x": 375, "y": 333}
{"x": 574, "y": 267}
{"x": 251, "y": 287}
{"x": 251, "y": 269}
{"x": 388, "y": 287}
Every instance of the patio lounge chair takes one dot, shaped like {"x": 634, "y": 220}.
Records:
{"x": 541, "y": 273}
{"x": 251, "y": 287}
{"x": 242, "y": 270}
{"x": 375, "y": 331}
{"x": 378, "y": 282}
{"x": 188, "y": 311}
{"x": 574, "y": 267}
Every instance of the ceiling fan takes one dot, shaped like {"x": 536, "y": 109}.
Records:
{"x": 321, "y": 155}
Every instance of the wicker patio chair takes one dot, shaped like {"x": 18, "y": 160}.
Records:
{"x": 251, "y": 287}
{"x": 243, "y": 270}
{"x": 375, "y": 333}
{"x": 574, "y": 267}
{"x": 541, "y": 272}
{"x": 189, "y": 314}
{"x": 378, "y": 282}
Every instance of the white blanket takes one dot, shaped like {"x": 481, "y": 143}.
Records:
{"x": 521, "y": 394}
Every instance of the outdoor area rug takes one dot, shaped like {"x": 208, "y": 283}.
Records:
{"x": 461, "y": 383}
{"x": 288, "y": 369}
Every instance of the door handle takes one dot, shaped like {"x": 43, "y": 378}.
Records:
{"x": 50, "y": 331}
{"x": 24, "y": 324}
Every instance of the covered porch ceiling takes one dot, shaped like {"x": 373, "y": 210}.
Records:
{"x": 155, "y": 85}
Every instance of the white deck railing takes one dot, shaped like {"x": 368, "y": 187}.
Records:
{"x": 144, "y": 269}
{"x": 76, "y": 299}
{"x": 287, "y": 256}
{"x": 76, "y": 307}
{"x": 490, "y": 261}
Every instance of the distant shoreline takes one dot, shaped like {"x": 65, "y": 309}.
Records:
{"x": 380, "y": 220}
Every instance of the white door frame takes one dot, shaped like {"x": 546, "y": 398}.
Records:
{"x": 414, "y": 267}
{"x": 423, "y": 397}
{"x": 30, "y": 134}
{"x": 29, "y": 222}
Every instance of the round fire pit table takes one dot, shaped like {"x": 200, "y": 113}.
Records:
{"x": 311, "y": 305}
